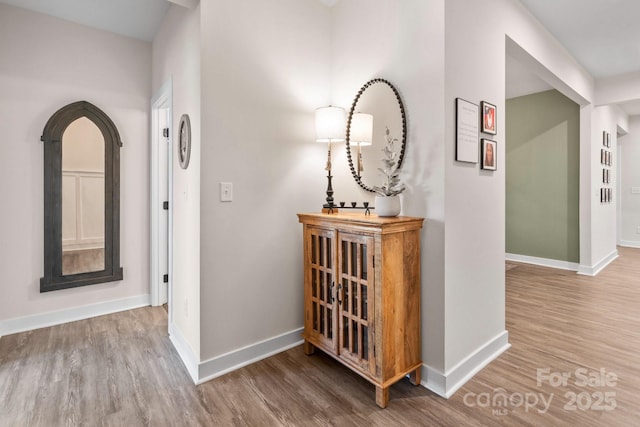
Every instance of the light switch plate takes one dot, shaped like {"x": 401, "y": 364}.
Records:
{"x": 226, "y": 191}
{"x": 635, "y": 190}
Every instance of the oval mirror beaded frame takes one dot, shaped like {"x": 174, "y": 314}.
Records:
{"x": 184, "y": 141}
{"x": 353, "y": 110}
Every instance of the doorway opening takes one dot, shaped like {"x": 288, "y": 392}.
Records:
{"x": 161, "y": 200}
{"x": 544, "y": 146}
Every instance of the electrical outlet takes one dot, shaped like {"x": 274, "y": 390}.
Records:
{"x": 635, "y": 190}
{"x": 638, "y": 230}
{"x": 226, "y": 191}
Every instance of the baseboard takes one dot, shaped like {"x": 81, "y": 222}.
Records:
{"x": 236, "y": 359}
{"x": 446, "y": 384}
{"x": 189, "y": 359}
{"x": 52, "y": 318}
{"x": 545, "y": 262}
{"x": 629, "y": 243}
{"x": 599, "y": 266}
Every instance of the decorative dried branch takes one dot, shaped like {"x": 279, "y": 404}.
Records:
{"x": 390, "y": 170}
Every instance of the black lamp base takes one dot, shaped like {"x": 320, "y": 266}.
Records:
{"x": 330, "y": 206}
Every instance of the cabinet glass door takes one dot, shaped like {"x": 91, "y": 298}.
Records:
{"x": 320, "y": 322}
{"x": 355, "y": 299}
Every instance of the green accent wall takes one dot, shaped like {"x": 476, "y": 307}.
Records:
{"x": 543, "y": 176}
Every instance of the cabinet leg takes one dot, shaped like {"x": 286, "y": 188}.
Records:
{"x": 415, "y": 377}
{"x": 382, "y": 396}
{"x": 308, "y": 348}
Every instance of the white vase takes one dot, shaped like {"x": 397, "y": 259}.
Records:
{"x": 387, "y": 205}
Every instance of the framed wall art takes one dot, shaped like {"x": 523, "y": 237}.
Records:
{"x": 489, "y": 152}
{"x": 466, "y": 131}
{"x": 489, "y": 115}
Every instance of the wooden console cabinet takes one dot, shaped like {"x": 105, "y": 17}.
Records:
{"x": 362, "y": 294}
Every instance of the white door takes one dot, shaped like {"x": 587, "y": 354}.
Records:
{"x": 160, "y": 207}
{"x": 163, "y": 216}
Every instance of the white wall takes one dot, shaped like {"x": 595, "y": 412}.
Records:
{"x": 603, "y": 216}
{"x": 409, "y": 52}
{"x": 475, "y": 199}
{"x": 476, "y": 35}
{"x": 259, "y": 88}
{"x": 45, "y": 64}
{"x": 176, "y": 55}
{"x": 629, "y": 204}
{"x": 463, "y": 259}
{"x": 265, "y": 68}
{"x": 598, "y": 230}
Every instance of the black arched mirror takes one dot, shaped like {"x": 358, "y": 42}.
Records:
{"x": 81, "y": 198}
{"x": 376, "y": 108}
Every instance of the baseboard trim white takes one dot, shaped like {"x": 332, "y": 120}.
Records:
{"x": 52, "y": 318}
{"x": 446, "y": 384}
{"x": 629, "y": 243}
{"x": 244, "y": 356}
{"x": 545, "y": 262}
{"x": 599, "y": 266}
{"x": 189, "y": 359}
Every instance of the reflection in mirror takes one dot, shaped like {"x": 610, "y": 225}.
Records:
{"x": 379, "y": 99}
{"x": 361, "y": 136}
{"x": 82, "y": 198}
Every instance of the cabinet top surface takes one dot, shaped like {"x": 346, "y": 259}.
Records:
{"x": 359, "y": 218}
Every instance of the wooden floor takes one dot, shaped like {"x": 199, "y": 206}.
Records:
{"x": 121, "y": 370}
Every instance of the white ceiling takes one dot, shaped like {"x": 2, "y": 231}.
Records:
{"x": 603, "y": 35}
{"x": 139, "y": 19}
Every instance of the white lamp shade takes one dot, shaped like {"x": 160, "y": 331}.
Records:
{"x": 361, "y": 131}
{"x": 330, "y": 124}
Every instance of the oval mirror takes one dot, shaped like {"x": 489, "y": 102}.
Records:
{"x": 81, "y": 198}
{"x": 376, "y": 108}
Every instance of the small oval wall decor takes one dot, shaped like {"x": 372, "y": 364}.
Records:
{"x": 184, "y": 141}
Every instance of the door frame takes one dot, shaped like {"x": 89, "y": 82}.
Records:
{"x": 161, "y": 101}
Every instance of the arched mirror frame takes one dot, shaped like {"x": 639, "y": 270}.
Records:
{"x": 352, "y": 111}
{"x": 52, "y": 138}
